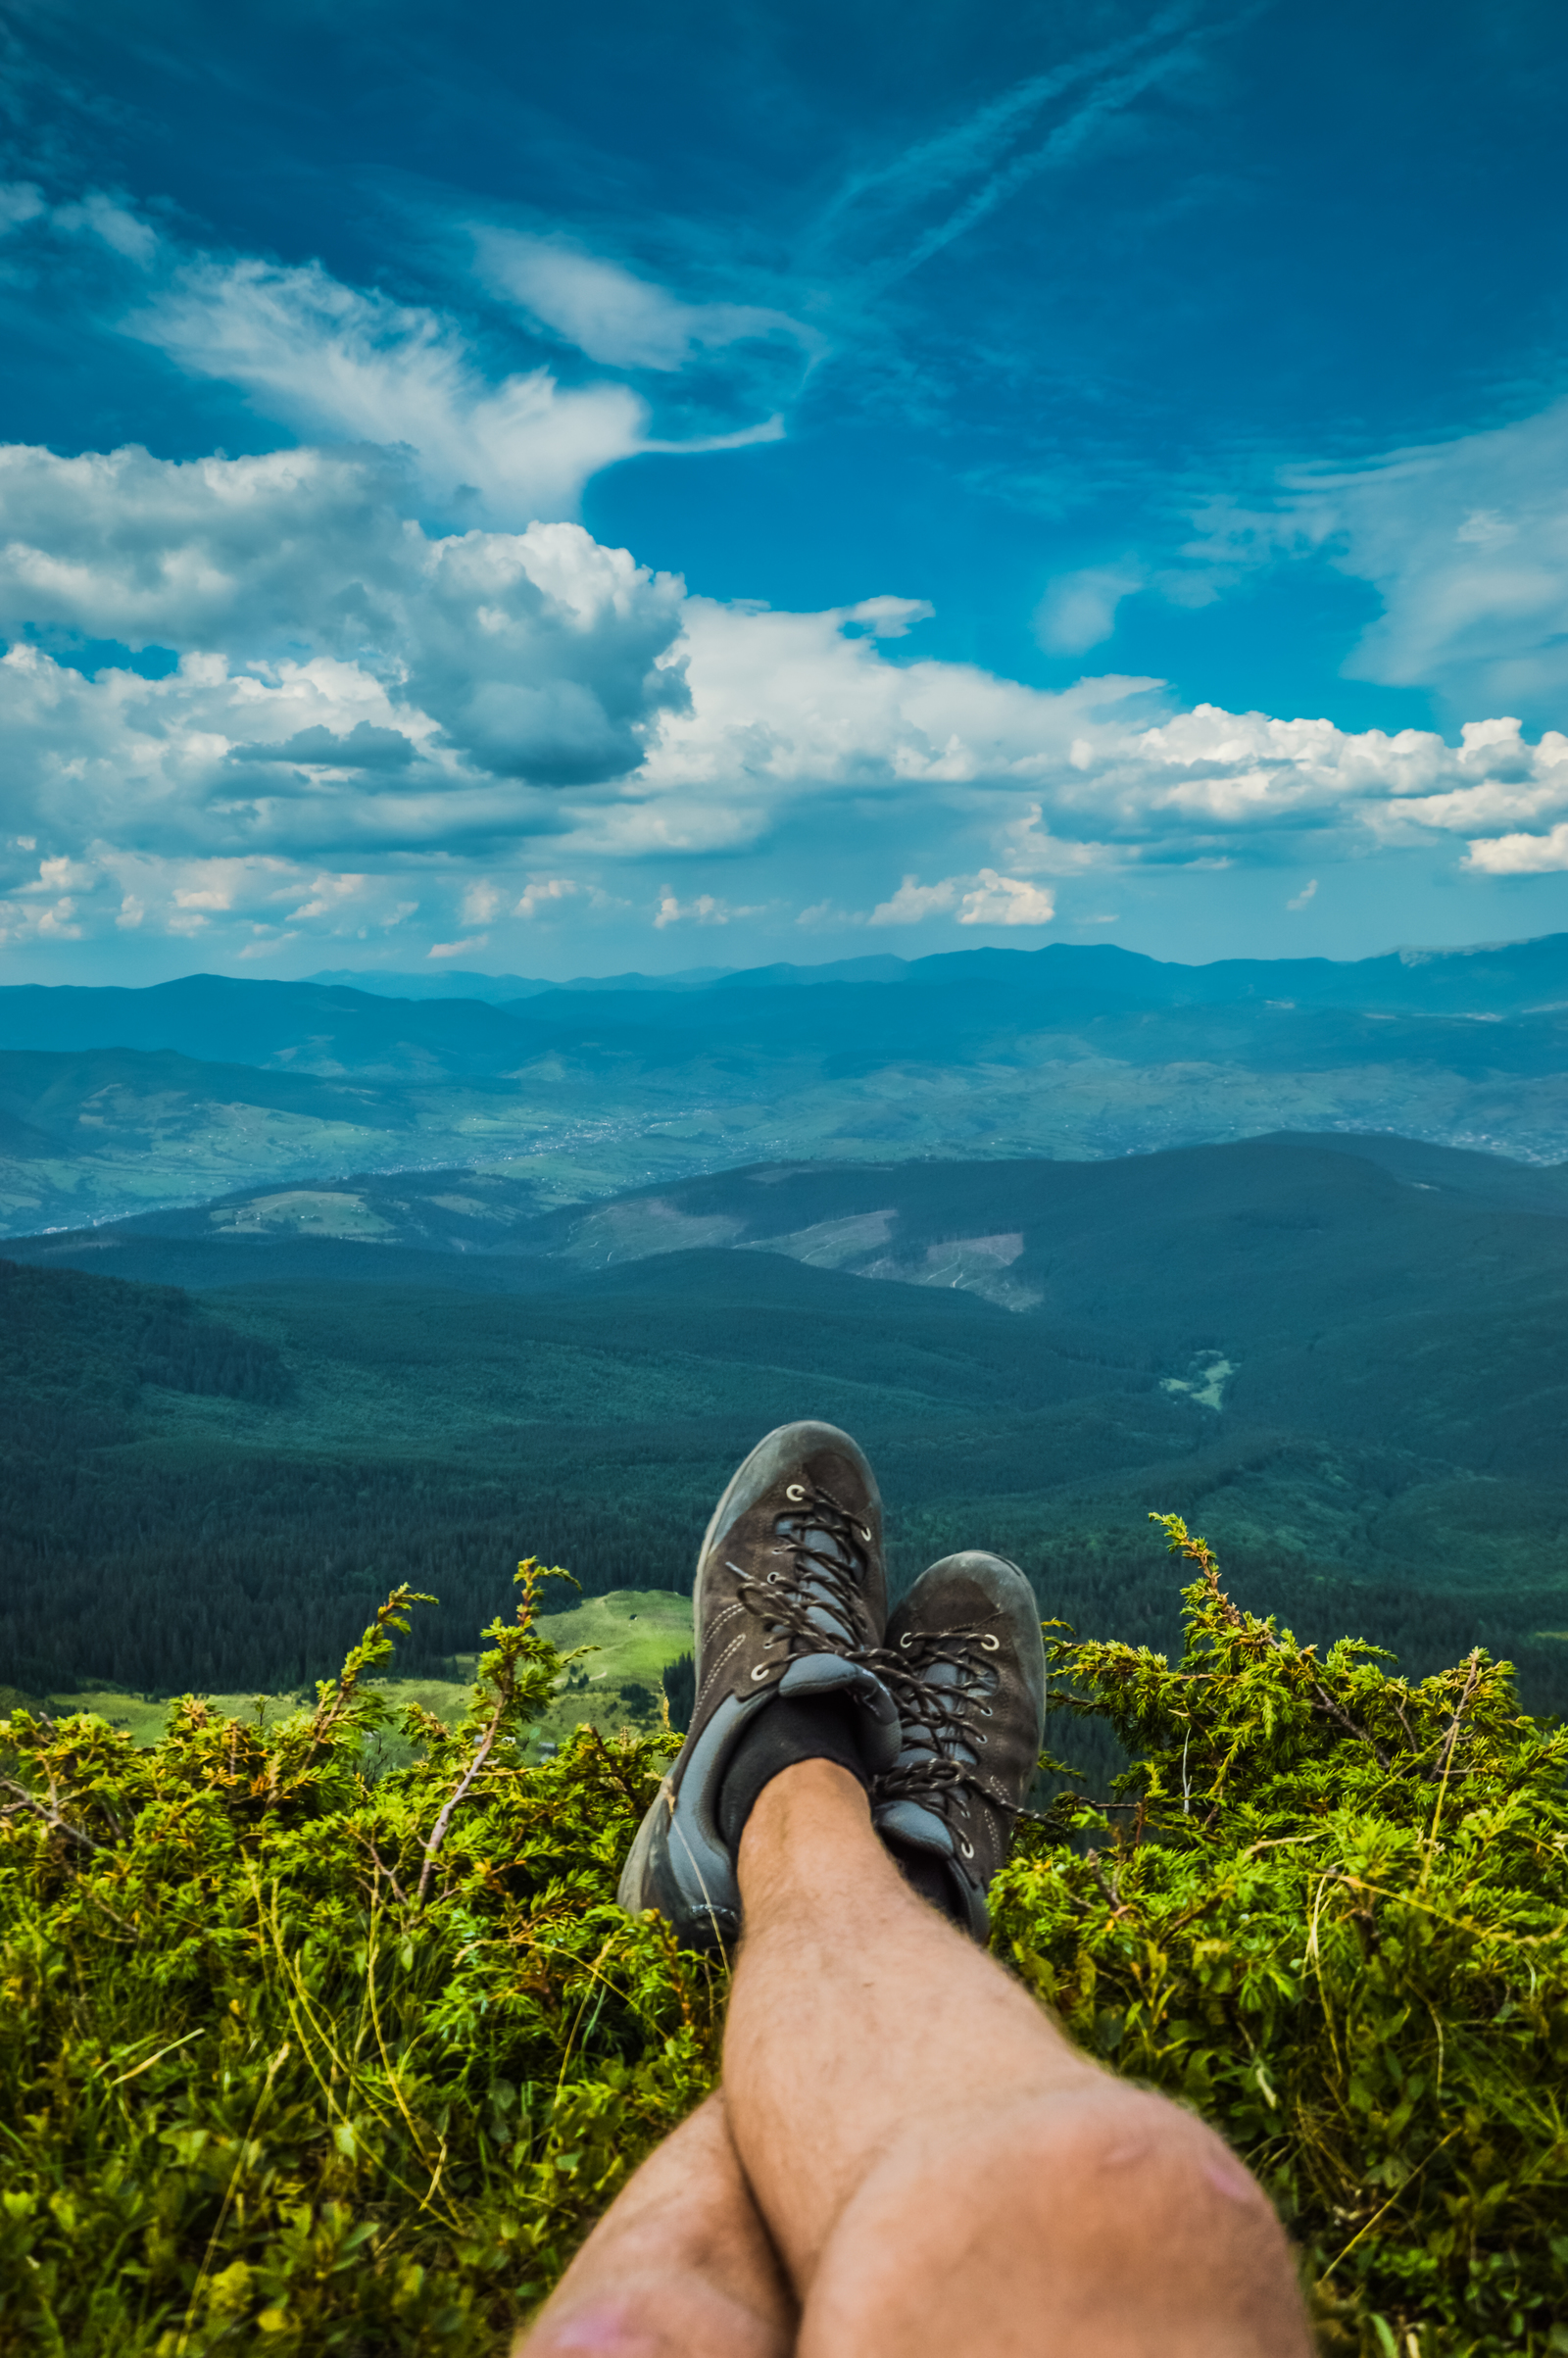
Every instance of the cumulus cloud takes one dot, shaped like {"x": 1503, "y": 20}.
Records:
{"x": 703, "y": 909}
{"x": 373, "y": 720}
{"x": 994, "y": 900}
{"x": 986, "y": 899}
{"x": 360, "y": 694}
{"x": 335, "y": 654}
{"x": 546, "y": 893}
{"x": 1521, "y": 855}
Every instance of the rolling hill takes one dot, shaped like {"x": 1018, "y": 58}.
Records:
{"x": 1344, "y": 1358}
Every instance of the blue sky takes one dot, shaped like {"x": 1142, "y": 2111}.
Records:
{"x": 560, "y": 491}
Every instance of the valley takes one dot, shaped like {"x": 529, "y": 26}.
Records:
{"x": 316, "y": 1290}
{"x": 114, "y": 1103}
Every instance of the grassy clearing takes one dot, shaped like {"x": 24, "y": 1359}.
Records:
{"x": 634, "y": 1633}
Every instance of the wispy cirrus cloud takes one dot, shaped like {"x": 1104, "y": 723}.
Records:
{"x": 330, "y": 362}
{"x": 874, "y": 201}
{"x": 336, "y": 363}
{"x": 1464, "y": 540}
{"x": 614, "y": 315}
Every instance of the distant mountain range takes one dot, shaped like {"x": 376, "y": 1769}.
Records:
{"x": 115, "y": 1101}
{"x": 1485, "y": 976}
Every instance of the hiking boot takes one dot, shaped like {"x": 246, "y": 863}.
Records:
{"x": 789, "y": 1602}
{"x": 970, "y": 1688}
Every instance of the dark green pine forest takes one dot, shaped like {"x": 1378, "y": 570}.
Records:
{"x": 1353, "y": 1378}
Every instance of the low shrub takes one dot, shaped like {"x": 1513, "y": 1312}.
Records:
{"x": 1333, "y": 1918}
{"x": 298, "y": 2058}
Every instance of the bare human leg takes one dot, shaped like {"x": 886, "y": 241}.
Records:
{"x": 681, "y": 2266}
{"x": 943, "y": 2174}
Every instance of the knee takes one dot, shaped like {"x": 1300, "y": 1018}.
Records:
{"x": 1096, "y": 2220}
{"x": 1126, "y": 2161}
{"x": 1142, "y": 2205}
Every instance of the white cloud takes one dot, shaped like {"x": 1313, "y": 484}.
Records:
{"x": 994, "y": 900}
{"x": 1304, "y": 896}
{"x": 703, "y": 909}
{"x": 1521, "y": 855}
{"x": 986, "y": 899}
{"x": 1079, "y": 611}
{"x": 1034, "y": 851}
{"x": 1466, "y": 541}
{"x": 95, "y": 215}
{"x": 331, "y": 361}
{"x": 537, "y": 655}
{"x": 20, "y": 203}
{"x": 615, "y": 316}
{"x": 115, "y": 226}
{"x": 474, "y": 944}
{"x": 913, "y": 901}
{"x": 548, "y": 892}
{"x": 511, "y": 716}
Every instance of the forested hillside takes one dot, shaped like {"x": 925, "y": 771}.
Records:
{"x": 1356, "y": 1379}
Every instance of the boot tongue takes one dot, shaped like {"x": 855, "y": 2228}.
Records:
{"x": 925, "y": 1866}
{"x": 951, "y": 1741}
{"x": 920, "y": 1828}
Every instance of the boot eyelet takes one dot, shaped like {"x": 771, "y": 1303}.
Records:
{"x": 865, "y": 1533}
{"x": 992, "y": 1645}
{"x": 795, "y": 1491}
{"x": 759, "y": 1670}
{"x": 967, "y": 1849}
{"x": 905, "y": 1639}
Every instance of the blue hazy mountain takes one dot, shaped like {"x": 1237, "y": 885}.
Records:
{"x": 498, "y": 989}
{"x": 205, "y": 1016}
{"x": 1067, "y": 1053}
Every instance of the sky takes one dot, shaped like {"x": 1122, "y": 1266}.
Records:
{"x": 556, "y": 492}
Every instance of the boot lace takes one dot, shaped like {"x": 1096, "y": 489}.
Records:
{"x": 819, "y": 1599}
{"x": 938, "y": 1717}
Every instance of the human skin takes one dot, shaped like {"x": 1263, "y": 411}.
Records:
{"x": 941, "y": 2170}
{"x": 910, "y": 2160}
{"x": 681, "y": 2266}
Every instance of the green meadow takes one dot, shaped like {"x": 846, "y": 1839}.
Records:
{"x": 626, "y": 1640}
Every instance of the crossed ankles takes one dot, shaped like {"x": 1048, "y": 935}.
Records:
{"x": 907, "y": 2159}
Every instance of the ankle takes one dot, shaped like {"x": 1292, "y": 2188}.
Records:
{"x": 789, "y": 1733}
{"x": 808, "y": 1821}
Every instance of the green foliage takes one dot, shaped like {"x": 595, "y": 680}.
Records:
{"x": 1333, "y": 1917}
{"x": 337, "y": 2066}
{"x": 296, "y": 2057}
